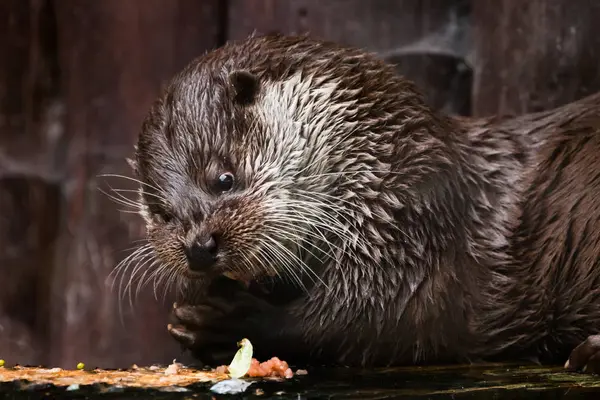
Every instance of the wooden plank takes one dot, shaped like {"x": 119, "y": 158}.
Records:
{"x": 27, "y": 230}
{"x": 29, "y": 82}
{"x": 114, "y": 57}
{"x": 534, "y": 55}
{"x": 428, "y": 40}
{"x": 29, "y": 187}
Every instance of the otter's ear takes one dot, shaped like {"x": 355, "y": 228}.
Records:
{"x": 245, "y": 86}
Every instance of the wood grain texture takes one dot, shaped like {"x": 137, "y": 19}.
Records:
{"x": 114, "y": 56}
{"x": 419, "y": 37}
{"x": 29, "y": 186}
{"x": 534, "y": 55}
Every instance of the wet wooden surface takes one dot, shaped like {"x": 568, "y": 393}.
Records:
{"x": 497, "y": 382}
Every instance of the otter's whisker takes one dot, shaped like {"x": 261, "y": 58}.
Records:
{"x": 140, "y": 265}
{"x": 118, "y": 273}
{"x": 155, "y": 195}
{"x": 124, "y": 264}
{"x": 281, "y": 259}
{"x": 114, "y": 275}
{"x": 330, "y": 206}
{"x": 310, "y": 208}
{"x": 247, "y": 252}
{"x": 246, "y": 259}
{"x": 361, "y": 240}
{"x": 323, "y": 220}
{"x": 136, "y": 281}
{"x": 152, "y": 270}
{"x": 347, "y": 207}
{"x": 319, "y": 209}
{"x": 157, "y": 189}
{"x": 160, "y": 275}
{"x": 169, "y": 279}
{"x": 122, "y": 200}
{"x": 300, "y": 263}
{"x": 302, "y": 219}
{"x": 298, "y": 240}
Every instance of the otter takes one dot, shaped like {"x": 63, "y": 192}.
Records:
{"x": 307, "y": 198}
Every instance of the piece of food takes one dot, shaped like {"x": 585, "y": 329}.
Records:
{"x": 230, "y": 386}
{"x": 245, "y": 280}
{"x": 241, "y": 361}
{"x": 80, "y": 365}
{"x": 173, "y": 368}
{"x": 1, "y": 363}
{"x": 274, "y": 368}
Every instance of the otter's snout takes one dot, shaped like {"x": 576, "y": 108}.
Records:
{"x": 202, "y": 254}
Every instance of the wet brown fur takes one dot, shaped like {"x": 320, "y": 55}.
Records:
{"x": 480, "y": 236}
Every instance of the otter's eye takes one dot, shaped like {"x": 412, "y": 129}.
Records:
{"x": 225, "y": 182}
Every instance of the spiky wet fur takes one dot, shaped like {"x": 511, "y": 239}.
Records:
{"x": 451, "y": 248}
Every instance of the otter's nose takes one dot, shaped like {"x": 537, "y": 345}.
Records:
{"x": 202, "y": 254}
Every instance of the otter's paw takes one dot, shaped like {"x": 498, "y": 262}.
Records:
{"x": 195, "y": 327}
{"x": 211, "y": 330}
{"x": 586, "y": 356}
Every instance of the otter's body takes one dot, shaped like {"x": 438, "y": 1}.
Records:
{"x": 415, "y": 237}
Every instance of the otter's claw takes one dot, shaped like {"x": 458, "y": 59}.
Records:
{"x": 196, "y": 316}
{"x": 182, "y": 335}
{"x": 586, "y": 356}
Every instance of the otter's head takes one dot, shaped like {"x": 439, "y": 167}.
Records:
{"x": 219, "y": 161}
{"x": 255, "y": 158}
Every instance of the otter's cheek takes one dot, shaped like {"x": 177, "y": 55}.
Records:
{"x": 167, "y": 248}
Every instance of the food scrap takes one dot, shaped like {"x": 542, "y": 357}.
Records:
{"x": 274, "y": 367}
{"x": 140, "y": 377}
{"x": 174, "y": 377}
{"x": 173, "y": 368}
{"x": 243, "y": 364}
{"x": 242, "y": 360}
{"x": 230, "y": 386}
{"x": 244, "y": 280}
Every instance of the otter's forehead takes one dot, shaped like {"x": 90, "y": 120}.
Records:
{"x": 199, "y": 106}
{"x": 215, "y": 120}
{"x": 234, "y": 108}
{"x": 263, "y": 107}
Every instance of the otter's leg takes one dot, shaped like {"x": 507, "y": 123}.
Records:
{"x": 586, "y": 356}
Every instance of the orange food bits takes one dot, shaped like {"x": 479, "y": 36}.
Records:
{"x": 270, "y": 368}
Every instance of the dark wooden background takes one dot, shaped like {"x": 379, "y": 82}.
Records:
{"x": 77, "y": 76}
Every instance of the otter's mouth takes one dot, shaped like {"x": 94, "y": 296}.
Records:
{"x": 244, "y": 278}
